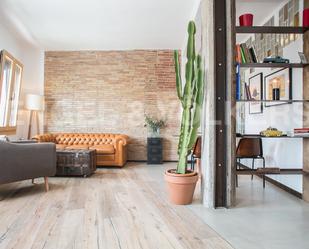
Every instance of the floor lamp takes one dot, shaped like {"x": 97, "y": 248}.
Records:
{"x": 34, "y": 103}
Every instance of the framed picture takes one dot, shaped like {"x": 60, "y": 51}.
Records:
{"x": 256, "y": 92}
{"x": 278, "y": 86}
{"x": 303, "y": 58}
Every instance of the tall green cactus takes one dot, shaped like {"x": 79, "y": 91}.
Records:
{"x": 191, "y": 98}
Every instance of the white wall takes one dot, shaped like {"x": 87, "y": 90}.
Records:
{"x": 32, "y": 58}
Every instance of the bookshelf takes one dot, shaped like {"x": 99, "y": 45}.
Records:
{"x": 280, "y": 137}
{"x": 300, "y": 92}
{"x": 273, "y": 101}
{"x": 246, "y": 65}
{"x": 273, "y": 65}
{"x": 271, "y": 30}
{"x": 268, "y": 30}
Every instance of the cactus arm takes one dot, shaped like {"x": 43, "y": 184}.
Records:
{"x": 178, "y": 75}
{"x": 191, "y": 41}
{"x": 184, "y": 140}
{"x": 198, "y": 100}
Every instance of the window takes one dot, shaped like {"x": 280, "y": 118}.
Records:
{"x": 10, "y": 82}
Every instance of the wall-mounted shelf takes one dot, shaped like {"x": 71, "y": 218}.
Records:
{"x": 272, "y": 101}
{"x": 259, "y": 136}
{"x": 276, "y": 65}
{"x": 271, "y": 30}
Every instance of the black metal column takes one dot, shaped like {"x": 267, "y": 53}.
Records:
{"x": 220, "y": 101}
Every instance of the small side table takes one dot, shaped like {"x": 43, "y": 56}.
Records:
{"x": 154, "y": 150}
{"x": 76, "y": 162}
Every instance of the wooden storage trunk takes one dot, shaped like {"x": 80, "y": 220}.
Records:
{"x": 76, "y": 162}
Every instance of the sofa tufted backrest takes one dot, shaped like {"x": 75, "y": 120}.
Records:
{"x": 85, "y": 138}
{"x": 45, "y": 138}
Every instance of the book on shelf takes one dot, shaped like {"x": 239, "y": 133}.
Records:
{"x": 245, "y": 54}
{"x": 238, "y": 83}
{"x": 253, "y": 55}
{"x": 248, "y": 93}
{"x": 238, "y": 54}
{"x": 301, "y": 130}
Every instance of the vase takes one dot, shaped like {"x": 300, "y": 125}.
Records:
{"x": 154, "y": 132}
{"x": 246, "y": 20}
{"x": 306, "y": 17}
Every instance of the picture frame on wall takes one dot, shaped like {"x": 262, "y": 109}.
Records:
{"x": 278, "y": 87}
{"x": 256, "y": 92}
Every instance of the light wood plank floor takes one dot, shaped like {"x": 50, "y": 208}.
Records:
{"x": 114, "y": 208}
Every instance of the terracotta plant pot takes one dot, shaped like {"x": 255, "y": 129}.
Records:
{"x": 180, "y": 187}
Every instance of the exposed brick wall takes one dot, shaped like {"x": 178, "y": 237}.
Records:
{"x": 110, "y": 91}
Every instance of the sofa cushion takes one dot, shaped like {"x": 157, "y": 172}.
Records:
{"x": 103, "y": 149}
{"x": 60, "y": 146}
{"x": 77, "y": 147}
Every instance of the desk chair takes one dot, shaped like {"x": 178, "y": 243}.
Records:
{"x": 250, "y": 148}
{"x": 196, "y": 153}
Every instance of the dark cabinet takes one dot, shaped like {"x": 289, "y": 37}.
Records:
{"x": 154, "y": 150}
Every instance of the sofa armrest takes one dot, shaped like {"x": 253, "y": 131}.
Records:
{"x": 121, "y": 139}
{"x": 26, "y": 161}
{"x": 121, "y": 143}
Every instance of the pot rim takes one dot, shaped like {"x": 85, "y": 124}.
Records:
{"x": 246, "y": 14}
{"x": 170, "y": 173}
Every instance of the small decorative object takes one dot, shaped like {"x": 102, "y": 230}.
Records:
{"x": 246, "y": 20}
{"x": 154, "y": 126}
{"x": 276, "y": 93}
{"x": 256, "y": 93}
{"x": 281, "y": 80}
{"x": 277, "y": 59}
{"x": 271, "y": 132}
{"x": 306, "y": 17}
{"x": 303, "y": 58}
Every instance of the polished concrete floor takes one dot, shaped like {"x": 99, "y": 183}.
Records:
{"x": 266, "y": 218}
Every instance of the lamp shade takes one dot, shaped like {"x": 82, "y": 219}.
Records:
{"x": 34, "y": 102}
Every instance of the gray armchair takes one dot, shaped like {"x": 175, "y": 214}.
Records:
{"x": 27, "y": 161}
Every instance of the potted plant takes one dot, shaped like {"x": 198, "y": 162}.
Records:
{"x": 181, "y": 182}
{"x": 154, "y": 125}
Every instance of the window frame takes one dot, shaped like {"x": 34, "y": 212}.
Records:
{"x": 4, "y": 56}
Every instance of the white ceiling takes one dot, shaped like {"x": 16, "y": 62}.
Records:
{"x": 100, "y": 24}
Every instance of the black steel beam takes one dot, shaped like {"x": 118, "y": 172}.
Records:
{"x": 220, "y": 102}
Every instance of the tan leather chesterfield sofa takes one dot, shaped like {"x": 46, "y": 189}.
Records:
{"x": 111, "y": 149}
